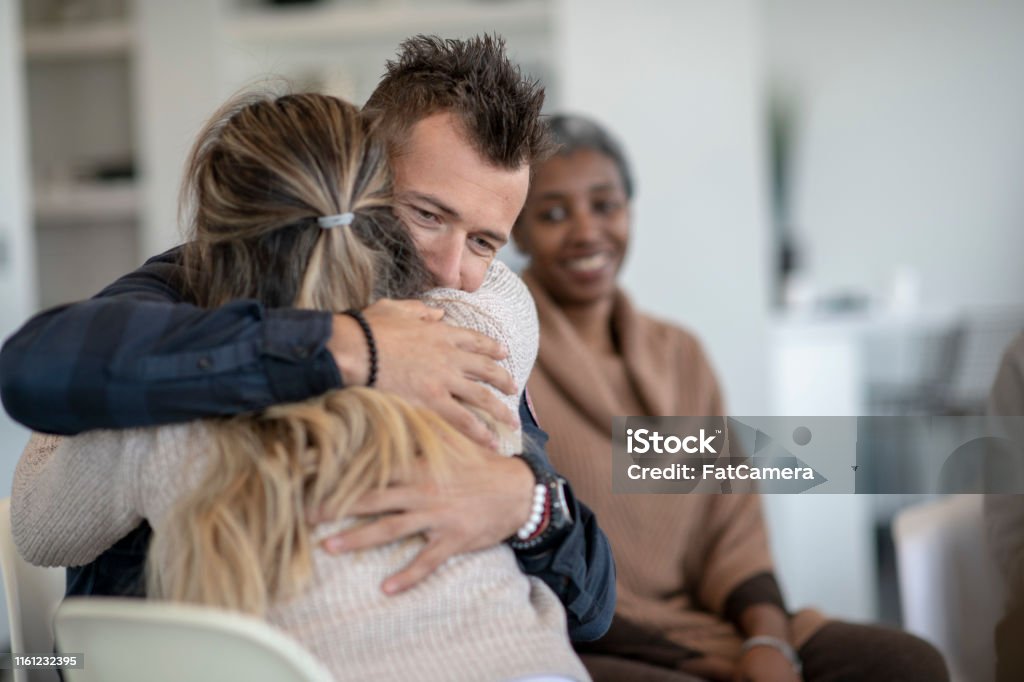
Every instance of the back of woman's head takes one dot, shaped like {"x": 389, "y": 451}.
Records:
{"x": 262, "y": 172}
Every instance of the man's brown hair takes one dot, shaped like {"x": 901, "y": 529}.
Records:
{"x": 498, "y": 107}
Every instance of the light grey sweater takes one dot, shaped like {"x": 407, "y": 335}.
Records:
{"x": 477, "y": 618}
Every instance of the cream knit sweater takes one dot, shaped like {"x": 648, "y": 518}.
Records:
{"x": 477, "y": 618}
{"x": 503, "y": 309}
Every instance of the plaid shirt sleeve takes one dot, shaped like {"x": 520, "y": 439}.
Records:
{"x": 580, "y": 569}
{"x": 138, "y": 354}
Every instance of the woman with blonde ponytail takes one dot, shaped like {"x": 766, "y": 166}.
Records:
{"x": 289, "y": 203}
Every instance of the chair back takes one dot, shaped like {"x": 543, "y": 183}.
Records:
{"x": 951, "y": 591}
{"x": 132, "y": 639}
{"x": 33, "y": 594}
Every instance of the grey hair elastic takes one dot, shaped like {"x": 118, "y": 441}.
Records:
{"x": 336, "y": 220}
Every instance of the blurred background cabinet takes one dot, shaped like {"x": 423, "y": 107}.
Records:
{"x": 80, "y": 62}
{"x": 115, "y": 91}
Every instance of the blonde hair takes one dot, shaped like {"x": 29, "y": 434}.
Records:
{"x": 240, "y": 540}
{"x": 262, "y": 171}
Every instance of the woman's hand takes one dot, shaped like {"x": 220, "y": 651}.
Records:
{"x": 764, "y": 662}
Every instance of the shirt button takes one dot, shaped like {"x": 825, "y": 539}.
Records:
{"x": 301, "y": 352}
{"x": 205, "y": 362}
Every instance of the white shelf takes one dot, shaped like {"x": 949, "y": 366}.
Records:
{"x": 87, "y": 203}
{"x": 336, "y": 22}
{"x": 95, "y": 39}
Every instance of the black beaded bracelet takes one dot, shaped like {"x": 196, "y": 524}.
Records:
{"x": 370, "y": 343}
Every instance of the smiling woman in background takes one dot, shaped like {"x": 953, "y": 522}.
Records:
{"x": 697, "y": 598}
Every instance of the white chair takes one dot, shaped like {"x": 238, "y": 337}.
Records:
{"x": 133, "y": 639}
{"x": 951, "y": 591}
{"x": 33, "y": 595}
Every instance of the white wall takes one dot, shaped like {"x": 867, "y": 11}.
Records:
{"x": 17, "y": 259}
{"x": 179, "y": 84}
{"x": 909, "y": 152}
{"x": 911, "y": 141}
{"x": 679, "y": 82}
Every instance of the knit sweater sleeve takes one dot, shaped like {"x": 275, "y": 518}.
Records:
{"x": 75, "y": 497}
{"x": 736, "y": 548}
{"x": 503, "y": 309}
{"x": 734, "y": 544}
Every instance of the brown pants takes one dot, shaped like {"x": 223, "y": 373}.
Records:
{"x": 839, "y": 652}
{"x": 1010, "y": 645}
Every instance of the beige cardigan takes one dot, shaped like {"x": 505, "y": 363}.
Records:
{"x": 477, "y": 618}
{"x": 678, "y": 557}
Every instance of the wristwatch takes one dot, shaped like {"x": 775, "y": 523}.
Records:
{"x": 779, "y": 644}
{"x": 556, "y": 508}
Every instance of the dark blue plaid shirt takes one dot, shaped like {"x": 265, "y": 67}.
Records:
{"x": 139, "y": 354}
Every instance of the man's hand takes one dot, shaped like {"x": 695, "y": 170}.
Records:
{"x": 765, "y": 664}
{"x": 478, "y": 505}
{"x": 427, "y": 362}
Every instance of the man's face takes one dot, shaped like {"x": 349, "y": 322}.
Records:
{"x": 458, "y": 207}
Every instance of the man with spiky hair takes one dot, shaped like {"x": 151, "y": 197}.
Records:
{"x": 462, "y": 125}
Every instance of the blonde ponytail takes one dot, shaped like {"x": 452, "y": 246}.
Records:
{"x": 262, "y": 172}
